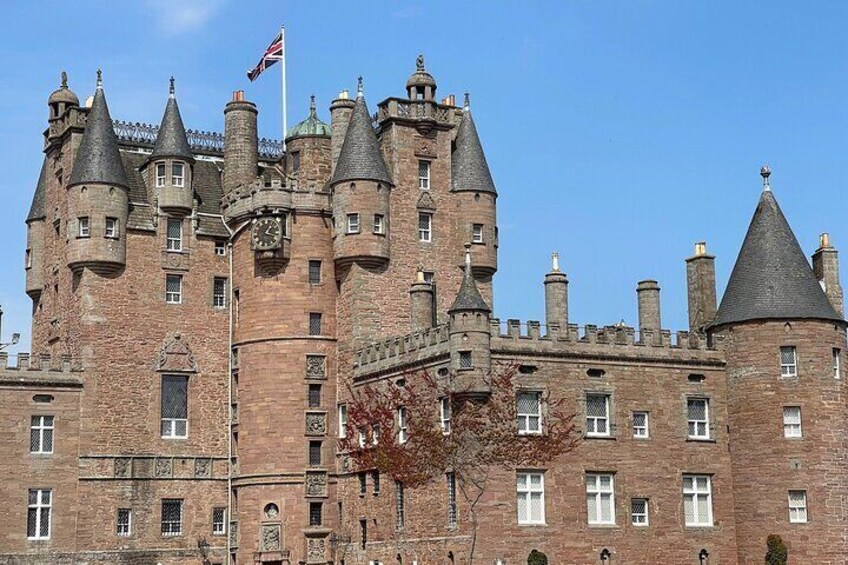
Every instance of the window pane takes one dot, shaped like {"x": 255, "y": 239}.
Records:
{"x": 314, "y": 272}
{"x": 697, "y": 410}
{"x": 174, "y": 397}
{"x": 596, "y": 406}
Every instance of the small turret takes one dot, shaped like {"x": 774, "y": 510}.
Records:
{"x": 61, "y": 99}
{"x": 170, "y": 166}
{"x": 241, "y": 143}
{"x": 421, "y": 84}
{"x": 35, "y": 237}
{"x": 98, "y": 203}
{"x": 360, "y": 187}
{"x": 308, "y": 159}
{"x": 474, "y": 192}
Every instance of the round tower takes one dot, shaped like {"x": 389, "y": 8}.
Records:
{"x": 308, "y": 151}
{"x": 786, "y": 400}
{"x": 35, "y": 250}
{"x": 98, "y": 200}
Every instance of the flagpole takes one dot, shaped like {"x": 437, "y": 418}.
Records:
{"x": 283, "y": 68}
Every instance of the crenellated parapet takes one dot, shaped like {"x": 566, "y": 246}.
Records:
{"x": 25, "y": 370}
{"x": 245, "y": 201}
{"x": 403, "y": 351}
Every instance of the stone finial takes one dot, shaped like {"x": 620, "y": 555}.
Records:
{"x": 419, "y": 276}
{"x": 359, "y": 87}
{"x": 312, "y": 105}
{"x": 419, "y": 63}
{"x": 99, "y": 78}
{"x": 467, "y": 104}
{"x": 64, "y": 79}
{"x": 824, "y": 240}
{"x": 467, "y": 257}
{"x": 171, "y": 89}
{"x": 555, "y": 262}
{"x": 765, "y": 172}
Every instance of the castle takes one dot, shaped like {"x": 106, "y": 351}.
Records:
{"x": 202, "y": 301}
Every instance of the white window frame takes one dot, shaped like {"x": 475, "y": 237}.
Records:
{"x": 477, "y": 233}
{"x": 379, "y": 224}
{"x": 593, "y": 422}
{"x": 174, "y": 243}
{"x": 40, "y": 427}
{"x": 403, "y": 428}
{"x": 111, "y": 229}
{"x": 179, "y": 524}
{"x": 789, "y": 370}
{"x": 526, "y": 490}
{"x": 798, "y": 510}
{"x": 171, "y": 432}
{"x": 219, "y": 299}
{"x": 445, "y": 415}
{"x": 84, "y": 226}
{"x": 695, "y": 493}
{"x": 425, "y": 235}
{"x": 220, "y": 248}
{"x": 643, "y": 430}
{"x": 424, "y": 174}
{"x": 178, "y": 179}
{"x": 38, "y": 508}
{"x": 172, "y": 297}
{"x": 123, "y": 530}
{"x": 792, "y": 423}
{"x": 353, "y": 223}
{"x": 343, "y": 421}
{"x": 219, "y": 528}
{"x": 640, "y": 519}
{"x": 525, "y": 419}
{"x": 161, "y": 173}
{"x": 837, "y": 363}
{"x": 693, "y": 425}
{"x": 602, "y": 496}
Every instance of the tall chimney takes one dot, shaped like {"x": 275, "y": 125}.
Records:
{"x": 556, "y": 296}
{"x": 701, "y": 288}
{"x": 648, "y": 296}
{"x": 241, "y": 143}
{"x": 826, "y": 269}
{"x": 421, "y": 303}
{"x": 340, "y": 111}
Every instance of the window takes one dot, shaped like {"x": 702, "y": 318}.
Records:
{"x": 173, "y": 289}
{"x": 837, "y": 354}
{"x": 452, "y": 513}
{"x": 314, "y": 396}
{"x": 28, "y": 263}
{"x": 178, "y": 174}
{"x": 342, "y": 421}
{"x": 639, "y": 511}
{"x": 316, "y": 510}
{"x": 172, "y": 517}
{"x": 111, "y": 228}
{"x": 597, "y": 415}
{"x": 314, "y": 453}
{"x": 84, "y": 228}
{"x": 363, "y": 532}
{"x": 219, "y": 521}
{"x": 220, "y": 248}
{"x": 402, "y": 427}
{"x": 399, "y": 505}
{"x": 798, "y": 506}
{"x": 353, "y": 223}
{"x": 697, "y": 500}
{"x": 379, "y": 224}
{"x": 792, "y": 421}
{"x": 788, "y": 362}
{"x": 38, "y": 513}
{"x": 175, "y": 234}
{"x": 698, "y": 414}
{"x": 465, "y": 360}
{"x": 375, "y": 482}
{"x": 219, "y": 292}
{"x": 531, "y": 498}
{"x": 640, "y": 424}
{"x": 124, "y": 526}
{"x": 295, "y": 162}
{"x": 314, "y": 272}
{"x": 477, "y": 233}
{"x": 314, "y": 323}
{"x": 425, "y": 226}
{"x": 424, "y": 175}
{"x": 445, "y": 415}
{"x": 529, "y": 413}
{"x": 363, "y": 484}
{"x": 174, "y": 406}
{"x": 600, "y": 499}
{"x": 160, "y": 174}
{"x": 41, "y": 434}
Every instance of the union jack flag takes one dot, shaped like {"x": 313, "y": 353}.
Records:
{"x": 272, "y": 54}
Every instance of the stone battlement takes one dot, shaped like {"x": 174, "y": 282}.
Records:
{"x": 44, "y": 362}
{"x": 402, "y": 350}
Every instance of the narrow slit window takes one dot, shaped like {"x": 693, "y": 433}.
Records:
{"x": 424, "y": 175}
{"x": 219, "y": 292}
{"x": 111, "y": 228}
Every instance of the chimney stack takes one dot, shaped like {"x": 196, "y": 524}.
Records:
{"x": 241, "y": 142}
{"x": 648, "y": 295}
{"x": 826, "y": 269}
{"x": 701, "y": 288}
{"x": 421, "y": 303}
{"x": 340, "y": 111}
{"x": 556, "y": 296}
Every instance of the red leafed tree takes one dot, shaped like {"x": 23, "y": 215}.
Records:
{"x": 482, "y": 434}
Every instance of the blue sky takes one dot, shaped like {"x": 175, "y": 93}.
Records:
{"x": 618, "y": 132}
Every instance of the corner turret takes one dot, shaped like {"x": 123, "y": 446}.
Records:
{"x": 34, "y": 261}
{"x": 308, "y": 152}
{"x": 170, "y": 166}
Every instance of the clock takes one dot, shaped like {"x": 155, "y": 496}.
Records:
{"x": 267, "y": 233}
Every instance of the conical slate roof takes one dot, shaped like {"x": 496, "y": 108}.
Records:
{"x": 360, "y": 157}
{"x": 469, "y": 297}
{"x": 36, "y": 209}
{"x": 468, "y": 162}
{"x": 171, "y": 140}
{"x": 98, "y": 159}
{"x": 772, "y": 278}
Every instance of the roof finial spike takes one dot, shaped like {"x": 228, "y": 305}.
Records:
{"x": 312, "y": 106}
{"x": 171, "y": 89}
{"x": 555, "y": 261}
{"x": 765, "y": 172}
{"x": 467, "y": 258}
{"x": 99, "y": 79}
{"x": 64, "y": 79}
{"x": 419, "y": 63}
{"x": 467, "y": 103}
{"x": 359, "y": 87}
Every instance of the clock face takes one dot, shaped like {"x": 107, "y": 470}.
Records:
{"x": 267, "y": 233}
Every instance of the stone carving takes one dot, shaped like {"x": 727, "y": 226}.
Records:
{"x": 123, "y": 467}
{"x": 316, "y": 424}
{"x": 316, "y": 483}
{"x": 346, "y": 462}
{"x": 269, "y": 538}
{"x": 233, "y": 534}
{"x": 203, "y": 468}
{"x": 271, "y": 511}
{"x": 163, "y": 468}
{"x": 316, "y": 367}
{"x": 315, "y": 549}
{"x": 176, "y": 355}
{"x": 425, "y": 201}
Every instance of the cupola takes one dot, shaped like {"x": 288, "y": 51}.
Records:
{"x": 311, "y": 126}
{"x": 421, "y": 84}
{"x": 62, "y": 98}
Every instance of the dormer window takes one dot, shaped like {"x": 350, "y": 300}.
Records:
{"x": 178, "y": 174}
{"x": 160, "y": 174}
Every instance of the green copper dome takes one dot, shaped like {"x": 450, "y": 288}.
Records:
{"x": 311, "y": 126}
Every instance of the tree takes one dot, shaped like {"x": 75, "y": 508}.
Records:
{"x": 777, "y": 553}
{"x": 394, "y": 427}
{"x": 536, "y": 557}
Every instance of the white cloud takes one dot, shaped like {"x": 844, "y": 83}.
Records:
{"x": 179, "y": 16}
